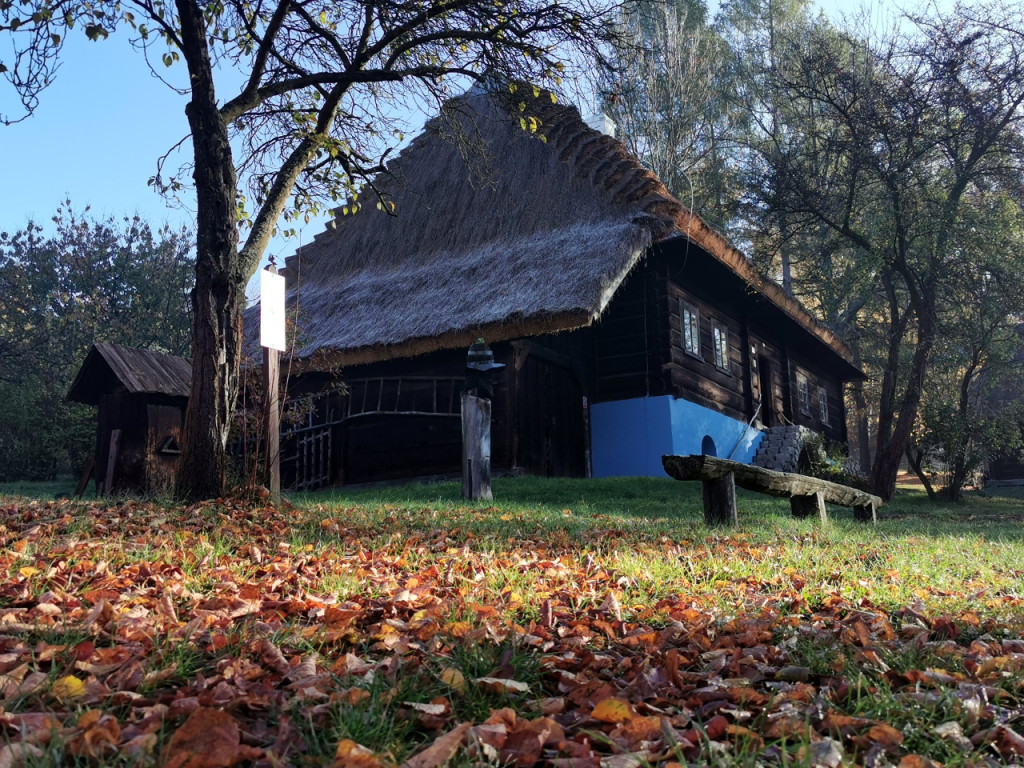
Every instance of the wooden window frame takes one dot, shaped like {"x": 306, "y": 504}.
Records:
{"x": 720, "y": 346}
{"x": 803, "y": 393}
{"x": 823, "y": 405}
{"x": 685, "y": 308}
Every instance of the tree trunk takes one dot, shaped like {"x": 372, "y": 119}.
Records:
{"x": 892, "y": 444}
{"x": 916, "y": 460}
{"x": 218, "y": 296}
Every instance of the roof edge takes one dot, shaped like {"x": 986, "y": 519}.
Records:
{"x": 695, "y": 229}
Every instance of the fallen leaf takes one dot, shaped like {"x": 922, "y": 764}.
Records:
{"x": 349, "y": 754}
{"x": 612, "y": 711}
{"x": 442, "y": 750}
{"x": 502, "y": 685}
{"x": 454, "y": 679}
{"x": 68, "y": 687}
{"x": 210, "y": 738}
{"x": 14, "y": 755}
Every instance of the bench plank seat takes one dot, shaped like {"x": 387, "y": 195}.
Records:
{"x": 808, "y": 495}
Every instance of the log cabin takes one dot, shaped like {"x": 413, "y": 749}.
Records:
{"x": 629, "y": 328}
{"x": 141, "y": 398}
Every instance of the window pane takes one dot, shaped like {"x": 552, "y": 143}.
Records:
{"x": 721, "y": 344}
{"x": 691, "y": 330}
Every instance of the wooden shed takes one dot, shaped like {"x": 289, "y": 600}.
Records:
{"x": 141, "y": 396}
{"x": 629, "y": 328}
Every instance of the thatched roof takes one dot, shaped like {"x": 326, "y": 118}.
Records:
{"x": 112, "y": 368}
{"x": 530, "y": 235}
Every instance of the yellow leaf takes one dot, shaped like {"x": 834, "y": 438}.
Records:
{"x": 612, "y": 711}
{"x": 69, "y": 687}
{"x": 522, "y": 122}
{"x": 28, "y": 571}
{"x": 453, "y": 679}
{"x": 536, "y": 92}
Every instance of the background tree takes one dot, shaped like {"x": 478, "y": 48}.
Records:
{"x": 963, "y": 421}
{"x": 323, "y": 86}
{"x": 903, "y": 130}
{"x": 92, "y": 280}
{"x": 666, "y": 97}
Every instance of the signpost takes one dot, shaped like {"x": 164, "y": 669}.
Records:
{"x": 272, "y": 339}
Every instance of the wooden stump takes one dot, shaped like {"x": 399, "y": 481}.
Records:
{"x": 805, "y": 506}
{"x": 476, "y": 447}
{"x": 720, "y": 500}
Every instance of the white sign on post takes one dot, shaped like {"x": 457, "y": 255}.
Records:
{"x": 272, "y": 310}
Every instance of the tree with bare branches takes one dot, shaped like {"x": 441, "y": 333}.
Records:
{"x": 324, "y": 85}
{"x": 898, "y": 134}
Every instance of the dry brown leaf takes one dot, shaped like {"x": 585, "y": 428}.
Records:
{"x": 210, "y": 738}
{"x": 15, "y": 755}
{"x": 502, "y": 685}
{"x": 272, "y": 657}
{"x": 442, "y": 750}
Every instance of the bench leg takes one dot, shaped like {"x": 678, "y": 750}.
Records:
{"x": 805, "y": 506}
{"x": 865, "y": 513}
{"x": 720, "y": 500}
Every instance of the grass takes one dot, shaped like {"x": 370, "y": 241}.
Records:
{"x": 577, "y": 590}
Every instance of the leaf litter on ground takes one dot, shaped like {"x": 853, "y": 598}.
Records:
{"x": 227, "y": 633}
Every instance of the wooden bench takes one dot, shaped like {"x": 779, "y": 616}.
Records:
{"x": 807, "y": 495}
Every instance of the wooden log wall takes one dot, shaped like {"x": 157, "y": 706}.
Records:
{"x": 834, "y": 429}
{"x": 631, "y": 343}
{"x": 699, "y": 379}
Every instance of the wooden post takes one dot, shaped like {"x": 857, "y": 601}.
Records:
{"x": 272, "y": 339}
{"x": 272, "y": 419}
{"x": 720, "y": 500}
{"x": 476, "y": 447}
{"x": 804, "y": 506}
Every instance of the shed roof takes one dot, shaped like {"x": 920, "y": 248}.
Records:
{"x": 111, "y": 368}
{"x": 497, "y": 233}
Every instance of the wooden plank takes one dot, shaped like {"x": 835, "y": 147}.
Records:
{"x": 720, "y": 500}
{"x": 115, "y": 439}
{"x": 781, "y": 484}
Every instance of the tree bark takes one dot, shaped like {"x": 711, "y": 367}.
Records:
{"x": 892, "y": 444}
{"x": 218, "y": 296}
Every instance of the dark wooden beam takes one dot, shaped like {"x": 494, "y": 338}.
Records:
{"x": 808, "y": 494}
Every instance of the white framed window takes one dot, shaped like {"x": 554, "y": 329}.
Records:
{"x": 720, "y": 342}
{"x": 689, "y": 318}
{"x": 803, "y": 392}
{"x": 823, "y": 404}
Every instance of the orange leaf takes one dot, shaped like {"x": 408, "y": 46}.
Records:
{"x": 612, "y": 711}
{"x": 210, "y": 738}
{"x": 352, "y": 755}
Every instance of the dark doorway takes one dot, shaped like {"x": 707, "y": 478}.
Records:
{"x": 768, "y": 414}
{"x": 552, "y": 438}
{"x": 707, "y": 446}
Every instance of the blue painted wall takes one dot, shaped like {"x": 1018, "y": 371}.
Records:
{"x": 629, "y": 437}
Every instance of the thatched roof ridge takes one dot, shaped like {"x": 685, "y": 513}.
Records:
{"x": 111, "y": 367}
{"x": 501, "y": 235}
